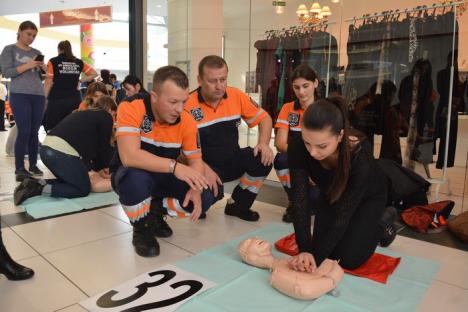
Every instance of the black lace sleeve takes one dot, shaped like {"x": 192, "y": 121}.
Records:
{"x": 301, "y": 215}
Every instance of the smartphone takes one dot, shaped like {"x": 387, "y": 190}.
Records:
{"x": 39, "y": 58}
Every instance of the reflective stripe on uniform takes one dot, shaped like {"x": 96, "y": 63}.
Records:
{"x": 173, "y": 208}
{"x": 138, "y": 211}
{"x": 218, "y": 120}
{"x": 252, "y": 184}
{"x": 284, "y": 177}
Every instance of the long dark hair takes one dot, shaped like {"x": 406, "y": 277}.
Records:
{"x": 133, "y": 80}
{"x": 66, "y": 49}
{"x": 306, "y": 72}
{"x": 26, "y": 25}
{"x": 330, "y": 114}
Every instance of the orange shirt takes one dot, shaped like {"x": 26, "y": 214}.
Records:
{"x": 290, "y": 118}
{"x": 135, "y": 118}
{"x": 218, "y": 127}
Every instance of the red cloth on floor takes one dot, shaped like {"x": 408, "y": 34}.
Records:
{"x": 378, "y": 268}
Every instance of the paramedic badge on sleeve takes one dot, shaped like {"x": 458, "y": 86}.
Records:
{"x": 146, "y": 125}
{"x": 293, "y": 119}
{"x": 197, "y": 114}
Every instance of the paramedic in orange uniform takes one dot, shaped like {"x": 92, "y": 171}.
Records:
{"x": 152, "y": 130}
{"x": 288, "y": 127}
{"x": 218, "y": 110}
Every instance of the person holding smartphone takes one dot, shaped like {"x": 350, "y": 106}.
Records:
{"x": 23, "y": 64}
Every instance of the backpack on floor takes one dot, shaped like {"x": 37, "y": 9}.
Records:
{"x": 459, "y": 226}
{"x": 406, "y": 188}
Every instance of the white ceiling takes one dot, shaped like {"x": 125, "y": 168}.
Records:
{"x": 10, "y": 7}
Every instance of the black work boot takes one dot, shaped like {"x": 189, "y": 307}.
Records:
{"x": 11, "y": 269}
{"x": 143, "y": 241}
{"x": 288, "y": 215}
{"x": 28, "y": 188}
{"x": 232, "y": 209}
{"x": 157, "y": 217}
{"x": 389, "y": 217}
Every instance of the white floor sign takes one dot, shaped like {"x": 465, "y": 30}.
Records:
{"x": 163, "y": 289}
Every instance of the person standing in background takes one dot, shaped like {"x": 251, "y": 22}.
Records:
{"x": 61, "y": 85}
{"x": 106, "y": 79}
{"x": 23, "y": 64}
{"x": 3, "y": 97}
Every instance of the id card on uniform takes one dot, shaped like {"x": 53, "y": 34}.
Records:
{"x": 163, "y": 289}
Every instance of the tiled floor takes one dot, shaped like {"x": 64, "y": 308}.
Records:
{"x": 80, "y": 255}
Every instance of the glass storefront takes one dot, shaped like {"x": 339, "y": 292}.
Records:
{"x": 373, "y": 54}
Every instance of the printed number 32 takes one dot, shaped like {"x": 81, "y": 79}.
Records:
{"x": 105, "y": 301}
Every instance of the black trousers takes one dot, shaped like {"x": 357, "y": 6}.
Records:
{"x": 249, "y": 169}
{"x": 58, "y": 109}
{"x": 2, "y": 114}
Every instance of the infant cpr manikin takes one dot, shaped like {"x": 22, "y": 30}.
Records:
{"x": 299, "y": 285}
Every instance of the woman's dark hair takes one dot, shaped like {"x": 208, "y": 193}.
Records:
{"x": 105, "y": 75}
{"x": 66, "y": 49}
{"x": 26, "y": 25}
{"x": 134, "y": 80}
{"x": 306, "y": 72}
{"x": 330, "y": 114}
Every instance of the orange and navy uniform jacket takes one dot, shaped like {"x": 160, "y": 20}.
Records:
{"x": 290, "y": 118}
{"x": 218, "y": 127}
{"x": 135, "y": 118}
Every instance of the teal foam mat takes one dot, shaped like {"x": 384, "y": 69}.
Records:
{"x": 246, "y": 288}
{"x": 46, "y": 206}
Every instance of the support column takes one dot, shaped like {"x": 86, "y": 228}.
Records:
{"x": 137, "y": 38}
{"x": 87, "y": 44}
{"x": 195, "y": 30}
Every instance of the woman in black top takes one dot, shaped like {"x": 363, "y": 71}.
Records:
{"x": 63, "y": 75}
{"x": 81, "y": 141}
{"x": 350, "y": 220}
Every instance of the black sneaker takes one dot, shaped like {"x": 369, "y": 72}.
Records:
{"x": 144, "y": 242}
{"x": 232, "y": 209}
{"x": 28, "y": 188}
{"x": 162, "y": 229}
{"x": 35, "y": 171}
{"x": 389, "y": 217}
{"x": 288, "y": 216}
{"x": 22, "y": 174}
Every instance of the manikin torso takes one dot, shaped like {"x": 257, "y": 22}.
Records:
{"x": 299, "y": 285}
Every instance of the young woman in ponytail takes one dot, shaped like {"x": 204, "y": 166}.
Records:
{"x": 61, "y": 85}
{"x": 288, "y": 126}
{"x": 352, "y": 216}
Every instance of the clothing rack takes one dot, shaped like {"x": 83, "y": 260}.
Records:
{"x": 294, "y": 30}
{"x": 397, "y": 12}
{"x": 435, "y": 6}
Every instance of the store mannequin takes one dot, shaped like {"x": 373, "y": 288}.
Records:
{"x": 299, "y": 285}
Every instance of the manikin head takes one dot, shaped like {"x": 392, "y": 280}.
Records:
{"x": 256, "y": 252}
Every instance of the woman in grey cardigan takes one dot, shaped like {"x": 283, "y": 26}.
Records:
{"x": 23, "y": 64}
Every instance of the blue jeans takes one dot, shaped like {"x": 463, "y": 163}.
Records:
{"x": 71, "y": 172}
{"x": 28, "y": 110}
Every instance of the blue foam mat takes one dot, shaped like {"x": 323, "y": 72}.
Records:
{"x": 46, "y": 206}
{"x": 245, "y": 288}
